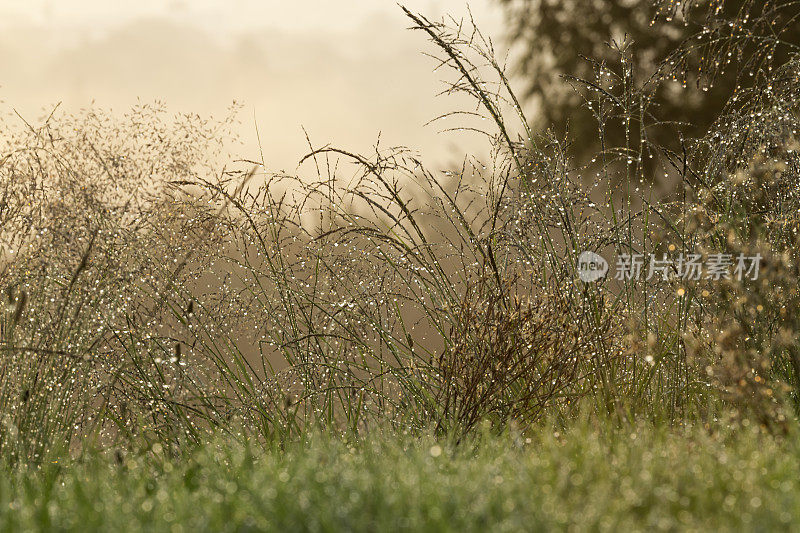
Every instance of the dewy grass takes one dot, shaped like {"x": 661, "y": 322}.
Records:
{"x": 635, "y": 478}
{"x": 151, "y": 296}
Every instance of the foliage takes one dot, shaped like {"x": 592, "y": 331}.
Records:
{"x": 638, "y": 478}
{"x": 689, "y": 57}
{"x": 152, "y": 294}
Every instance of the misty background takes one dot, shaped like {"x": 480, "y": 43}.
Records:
{"x": 346, "y": 71}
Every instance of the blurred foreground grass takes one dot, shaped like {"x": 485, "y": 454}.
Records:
{"x": 588, "y": 477}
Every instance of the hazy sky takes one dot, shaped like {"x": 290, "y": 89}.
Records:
{"x": 223, "y": 16}
{"x": 344, "y": 70}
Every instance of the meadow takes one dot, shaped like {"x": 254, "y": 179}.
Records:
{"x": 371, "y": 343}
{"x": 639, "y": 478}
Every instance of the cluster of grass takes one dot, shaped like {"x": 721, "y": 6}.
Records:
{"x": 638, "y": 478}
{"x": 156, "y": 302}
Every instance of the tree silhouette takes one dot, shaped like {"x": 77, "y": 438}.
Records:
{"x": 687, "y": 58}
